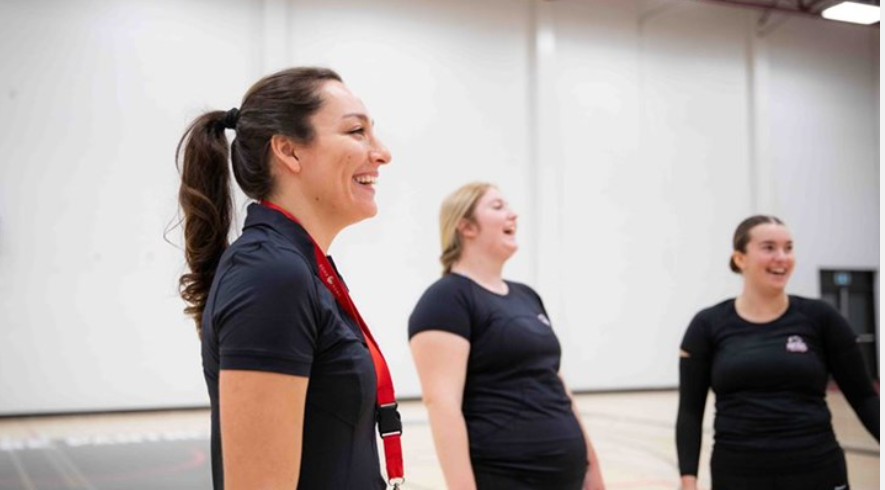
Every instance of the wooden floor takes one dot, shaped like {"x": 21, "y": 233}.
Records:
{"x": 632, "y": 432}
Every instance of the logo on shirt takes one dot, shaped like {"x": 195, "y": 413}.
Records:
{"x": 543, "y": 318}
{"x": 796, "y": 344}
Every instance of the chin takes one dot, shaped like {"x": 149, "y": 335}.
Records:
{"x": 777, "y": 287}
{"x": 365, "y": 212}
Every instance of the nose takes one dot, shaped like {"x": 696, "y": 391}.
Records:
{"x": 380, "y": 154}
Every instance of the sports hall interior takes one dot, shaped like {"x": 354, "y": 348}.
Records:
{"x": 631, "y": 136}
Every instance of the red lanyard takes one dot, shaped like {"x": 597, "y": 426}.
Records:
{"x": 389, "y": 425}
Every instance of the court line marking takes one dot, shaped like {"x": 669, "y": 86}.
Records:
{"x": 22, "y": 474}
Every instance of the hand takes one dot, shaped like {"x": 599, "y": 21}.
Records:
{"x": 593, "y": 480}
{"x": 689, "y": 482}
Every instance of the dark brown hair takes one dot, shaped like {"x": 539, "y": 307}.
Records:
{"x": 742, "y": 235}
{"x": 283, "y": 104}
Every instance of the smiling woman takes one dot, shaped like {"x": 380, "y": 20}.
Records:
{"x": 289, "y": 363}
{"x": 344, "y": 157}
{"x": 488, "y": 361}
{"x": 768, "y": 355}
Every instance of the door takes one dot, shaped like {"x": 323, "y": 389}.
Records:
{"x": 852, "y": 292}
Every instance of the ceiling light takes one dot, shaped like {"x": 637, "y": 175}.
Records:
{"x": 857, "y": 13}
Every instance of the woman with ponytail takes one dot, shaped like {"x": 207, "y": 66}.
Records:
{"x": 488, "y": 361}
{"x": 289, "y": 364}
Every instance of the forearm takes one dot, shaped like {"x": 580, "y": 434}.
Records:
{"x": 693, "y": 386}
{"x": 689, "y": 434}
{"x": 868, "y": 411}
{"x": 851, "y": 375}
{"x": 452, "y": 446}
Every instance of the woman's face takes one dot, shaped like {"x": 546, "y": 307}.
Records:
{"x": 493, "y": 228}
{"x": 340, "y": 166}
{"x": 768, "y": 261}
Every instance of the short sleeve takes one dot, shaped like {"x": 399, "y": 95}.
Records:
{"x": 696, "y": 341}
{"x": 267, "y": 321}
{"x": 444, "y": 306}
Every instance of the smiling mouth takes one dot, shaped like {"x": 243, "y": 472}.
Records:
{"x": 777, "y": 272}
{"x": 367, "y": 180}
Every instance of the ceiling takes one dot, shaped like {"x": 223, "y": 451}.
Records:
{"x": 799, "y": 7}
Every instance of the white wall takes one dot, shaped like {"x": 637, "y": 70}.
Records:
{"x": 632, "y": 136}
{"x": 94, "y": 96}
{"x": 654, "y": 179}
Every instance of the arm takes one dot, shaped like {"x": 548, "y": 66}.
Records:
{"x": 851, "y": 375}
{"x": 441, "y": 360}
{"x": 262, "y": 423}
{"x": 594, "y": 471}
{"x": 846, "y": 363}
{"x": 694, "y": 382}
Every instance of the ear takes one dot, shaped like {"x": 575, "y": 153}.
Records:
{"x": 285, "y": 151}
{"x": 467, "y": 228}
{"x": 739, "y": 259}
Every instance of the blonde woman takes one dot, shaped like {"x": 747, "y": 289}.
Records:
{"x": 488, "y": 361}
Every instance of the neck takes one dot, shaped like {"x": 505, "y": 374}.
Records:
{"x": 486, "y": 271}
{"x": 763, "y": 303}
{"x": 319, "y": 229}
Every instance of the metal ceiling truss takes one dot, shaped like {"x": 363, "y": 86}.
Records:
{"x": 808, "y": 8}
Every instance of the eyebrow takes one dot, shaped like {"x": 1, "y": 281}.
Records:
{"x": 360, "y": 116}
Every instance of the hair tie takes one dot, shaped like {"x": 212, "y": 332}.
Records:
{"x": 230, "y": 119}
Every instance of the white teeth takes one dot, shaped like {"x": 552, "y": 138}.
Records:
{"x": 366, "y": 179}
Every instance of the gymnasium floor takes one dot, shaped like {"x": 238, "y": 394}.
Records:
{"x": 632, "y": 432}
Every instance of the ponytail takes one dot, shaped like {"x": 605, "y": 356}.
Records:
{"x": 281, "y": 103}
{"x": 207, "y": 205}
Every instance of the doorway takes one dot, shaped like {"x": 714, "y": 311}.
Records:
{"x": 853, "y": 293}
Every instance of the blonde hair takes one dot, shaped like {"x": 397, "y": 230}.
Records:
{"x": 457, "y": 206}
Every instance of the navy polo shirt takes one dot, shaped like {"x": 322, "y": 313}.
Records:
{"x": 268, "y": 311}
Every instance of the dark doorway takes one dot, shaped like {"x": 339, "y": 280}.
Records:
{"x": 852, "y": 292}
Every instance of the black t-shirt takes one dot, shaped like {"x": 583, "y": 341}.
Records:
{"x": 519, "y": 417}
{"x": 268, "y": 311}
{"x": 770, "y": 382}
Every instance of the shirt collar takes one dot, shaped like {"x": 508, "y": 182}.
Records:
{"x": 258, "y": 215}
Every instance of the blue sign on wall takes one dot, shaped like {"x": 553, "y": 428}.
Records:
{"x": 842, "y": 279}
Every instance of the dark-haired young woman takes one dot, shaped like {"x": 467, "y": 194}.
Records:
{"x": 768, "y": 356}
{"x": 290, "y": 374}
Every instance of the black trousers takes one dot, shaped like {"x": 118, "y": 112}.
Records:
{"x": 490, "y": 481}
{"x": 829, "y": 476}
